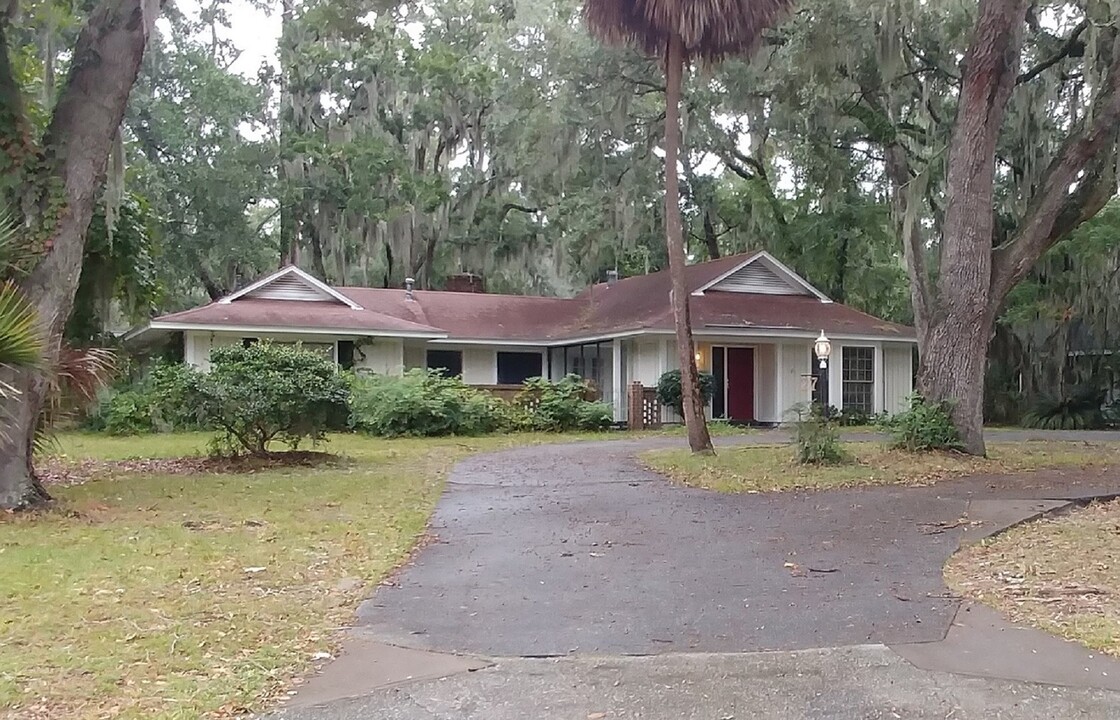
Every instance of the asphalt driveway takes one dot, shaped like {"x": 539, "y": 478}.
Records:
{"x": 546, "y": 551}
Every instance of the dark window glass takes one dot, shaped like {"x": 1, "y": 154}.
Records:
{"x": 859, "y": 380}
{"x": 448, "y": 362}
{"x": 515, "y": 368}
{"x": 346, "y": 354}
{"x": 248, "y": 342}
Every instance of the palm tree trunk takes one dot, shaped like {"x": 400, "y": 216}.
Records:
{"x": 698, "y": 438}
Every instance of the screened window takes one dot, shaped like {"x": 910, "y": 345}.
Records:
{"x": 448, "y": 362}
{"x": 589, "y": 368}
{"x": 859, "y": 378}
{"x": 515, "y": 368}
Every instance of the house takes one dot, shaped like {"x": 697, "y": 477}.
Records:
{"x": 754, "y": 319}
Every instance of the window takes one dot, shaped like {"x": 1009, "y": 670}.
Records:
{"x": 346, "y": 354}
{"x": 448, "y": 362}
{"x": 248, "y": 342}
{"x": 859, "y": 378}
{"x": 589, "y": 368}
{"x": 515, "y": 368}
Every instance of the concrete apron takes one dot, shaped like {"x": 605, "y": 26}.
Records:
{"x": 979, "y": 643}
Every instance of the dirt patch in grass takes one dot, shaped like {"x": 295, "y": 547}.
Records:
{"x": 65, "y": 472}
{"x": 772, "y": 467}
{"x": 1060, "y": 574}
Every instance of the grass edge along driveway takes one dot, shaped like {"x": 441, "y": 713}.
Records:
{"x": 771, "y": 468}
{"x": 147, "y": 595}
{"x": 1059, "y": 574}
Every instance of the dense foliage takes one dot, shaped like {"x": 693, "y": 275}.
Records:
{"x": 162, "y": 400}
{"x": 424, "y": 403}
{"x": 924, "y": 426}
{"x": 1080, "y": 410}
{"x": 264, "y": 392}
{"x": 427, "y": 403}
{"x": 816, "y": 439}
{"x": 669, "y": 389}
{"x": 562, "y": 406}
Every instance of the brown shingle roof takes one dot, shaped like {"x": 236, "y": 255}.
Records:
{"x": 631, "y": 304}
{"x": 253, "y": 312}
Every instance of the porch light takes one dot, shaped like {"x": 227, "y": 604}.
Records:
{"x": 823, "y": 348}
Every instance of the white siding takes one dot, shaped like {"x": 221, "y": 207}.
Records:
{"x": 758, "y": 278}
{"x": 793, "y": 381}
{"x": 480, "y": 366}
{"x": 898, "y": 376}
{"x": 381, "y": 356}
{"x": 415, "y": 356}
{"x": 199, "y": 344}
{"x": 647, "y": 362}
{"x": 765, "y": 383}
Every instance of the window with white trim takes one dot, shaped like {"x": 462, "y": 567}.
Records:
{"x": 858, "y": 372}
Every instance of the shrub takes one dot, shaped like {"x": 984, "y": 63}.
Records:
{"x": 161, "y": 401}
{"x": 1081, "y": 410}
{"x": 424, "y": 403}
{"x": 669, "y": 389}
{"x": 266, "y": 392}
{"x": 816, "y": 438}
{"x": 925, "y": 426}
{"x": 125, "y": 412}
{"x": 562, "y": 406}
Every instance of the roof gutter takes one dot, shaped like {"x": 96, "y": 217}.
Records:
{"x": 283, "y": 330}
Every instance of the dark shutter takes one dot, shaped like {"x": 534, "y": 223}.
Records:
{"x": 719, "y": 374}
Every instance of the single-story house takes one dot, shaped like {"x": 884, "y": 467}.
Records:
{"x": 754, "y": 319}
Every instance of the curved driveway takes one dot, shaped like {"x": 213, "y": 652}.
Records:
{"x": 551, "y": 550}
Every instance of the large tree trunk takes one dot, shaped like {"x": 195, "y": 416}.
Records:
{"x": 954, "y": 341}
{"x": 76, "y": 149}
{"x": 698, "y": 438}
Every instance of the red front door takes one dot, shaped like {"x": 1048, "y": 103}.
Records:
{"x": 740, "y": 383}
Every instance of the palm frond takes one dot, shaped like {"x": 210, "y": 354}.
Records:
{"x": 21, "y": 344}
{"x": 73, "y": 383}
{"x": 710, "y": 30}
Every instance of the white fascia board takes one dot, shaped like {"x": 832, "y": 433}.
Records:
{"x": 292, "y": 330}
{"x": 796, "y": 334}
{"x": 549, "y": 343}
{"x": 292, "y": 270}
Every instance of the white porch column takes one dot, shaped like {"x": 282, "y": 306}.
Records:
{"x": 836, "y": 377}
{"x": 617, "y": 399}
{"x": 877, "y": 377}
{"x": 189, "y": 349}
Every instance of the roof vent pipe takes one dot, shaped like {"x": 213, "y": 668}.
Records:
{"x": 409, "y": 284}
{"x": 612, "y": 277}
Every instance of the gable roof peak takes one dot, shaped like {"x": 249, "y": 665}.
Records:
{"x": 292, "y": 278}
{"x": 777, "y": 274}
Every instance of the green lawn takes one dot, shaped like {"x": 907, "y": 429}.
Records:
{"x": 772, "y": 467}
{"x": 183, "y": 596}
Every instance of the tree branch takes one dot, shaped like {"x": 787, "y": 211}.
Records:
{"x": 1072, "y": 43}
{"x": 1086, "y": 163}
{"x": 906, "y": 190}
